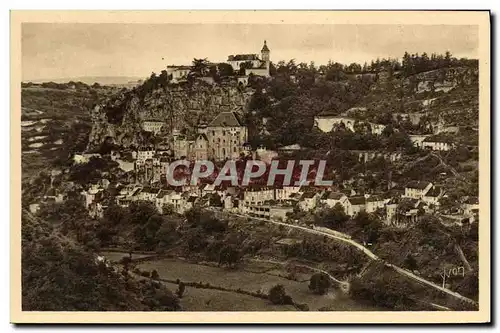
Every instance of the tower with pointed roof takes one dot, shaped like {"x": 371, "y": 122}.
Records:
{"x": 265, "y": 54}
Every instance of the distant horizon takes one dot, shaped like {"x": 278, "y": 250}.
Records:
{"x": 120, "y": 79}
{"x": 54, "y": 51}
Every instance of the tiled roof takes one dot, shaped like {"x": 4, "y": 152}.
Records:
{"x": 374, "y": 198}
{"x": 178, "y": 67}
{"x": 148, "y": 189}
{"x": 421, "y": 185}
{"x": 438, "y": 138}
{"x": 265, "y": 48}
{"x": 243, "y": 57}
{"x": 226, "y": 119}
{"x": 335, "y": 195}
{"x": 163, "y": 193}
{"x": 434, "y": 192}
{"x": 202, "y": 136}
{"x": 359, "y": 200}
{"x": 308, "y": 195}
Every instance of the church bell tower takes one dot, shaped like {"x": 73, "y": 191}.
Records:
{"x": 265, "y": 54}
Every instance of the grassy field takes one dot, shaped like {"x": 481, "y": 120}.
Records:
{"x": 195, "y": 299}
{"x": 249, "y": 281}
{"x": 117, "y": 256}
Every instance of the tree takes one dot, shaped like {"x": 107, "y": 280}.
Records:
{"x": 155, "y": 275}
{"x": 367, "y": 227}
{"x": 225, "y": 70}
{"x": 167, "y": 209}
{"x": 181, "y": 289}
{"x": 215, "y": 200}
{"x": 319, "y": 283}
{"x": 334, "y": 218}
{"x": 167, "y": 233}
{"x": 115, "y": 215}
{"x": 229, "y": 255}
{"x": 200, "y": 66}
{"x": 244, "y": 66}
{"x": 410, "y": 262}
{"x": 277, "y": 294}
{"x": 141, "y": 211}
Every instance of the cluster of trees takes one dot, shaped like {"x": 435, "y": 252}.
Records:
{"x": 383, "y": 288}
{"x": 60, "y": 86}
{"x": 150, "y": 230}
{"x": 364, "y": 227}
{"x": 60, "y": 275}
{"x": 414, "y": 63}
{"x": 334, "y": 218}
{"x": 90, "y": 172}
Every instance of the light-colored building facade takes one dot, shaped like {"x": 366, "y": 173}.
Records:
{"x": 153, "y": 126}
{"x": 417, "y": 189}
{"x": 178, "y": 73}
{"x": 259, "y": 66}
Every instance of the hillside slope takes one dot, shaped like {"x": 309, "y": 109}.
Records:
{"x": 58, "y": 274}
{"x": 180, "y": 107}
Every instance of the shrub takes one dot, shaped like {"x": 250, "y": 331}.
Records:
{"x": 181, "y": 289}
{"x": 145, "y": 274}
{"x": 125, "y": 260}
{"x": 319, "y": 283}
{"x": 155, "y": 275}
{"x": 277, "y": 295}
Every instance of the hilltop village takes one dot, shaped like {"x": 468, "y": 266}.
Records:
{"x": 226, "y": 136}
{"x": 399, "y": 139}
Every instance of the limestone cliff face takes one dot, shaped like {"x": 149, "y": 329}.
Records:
{"x": 180, "y": 108}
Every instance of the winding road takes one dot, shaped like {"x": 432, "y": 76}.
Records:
{"x": 367, "y": 252}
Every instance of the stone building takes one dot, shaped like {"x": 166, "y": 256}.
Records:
{"x": 259, "y": 66}
{"x": 223, "y": 138}
{"x": 226, "y": 136}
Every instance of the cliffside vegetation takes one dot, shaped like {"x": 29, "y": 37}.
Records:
{"x": 58, "y": 274}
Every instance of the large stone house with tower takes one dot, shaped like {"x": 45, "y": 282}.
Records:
{"x": 223, "y": 138}
{"x": 260, "y": 66}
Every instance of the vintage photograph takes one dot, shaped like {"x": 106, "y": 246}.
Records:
{"x": 215, "y": 166}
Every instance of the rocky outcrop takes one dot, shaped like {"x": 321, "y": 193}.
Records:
{"x": 179, "y": 107}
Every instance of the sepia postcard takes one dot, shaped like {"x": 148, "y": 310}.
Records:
{"x": 234, "y": 166}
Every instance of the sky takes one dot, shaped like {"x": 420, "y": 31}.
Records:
{"x": 69, "y": 50}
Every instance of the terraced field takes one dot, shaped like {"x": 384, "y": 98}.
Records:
{"x": 247, "y": 280}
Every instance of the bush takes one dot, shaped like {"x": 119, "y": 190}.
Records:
{"x": 125, "y": 261}
{"x": 145, "y": 274}
{"x": 181, "y": 289}
{"x": 277, "y": 295}
{"x": 319, "y": 283}
{"x": 155, "y": 275}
